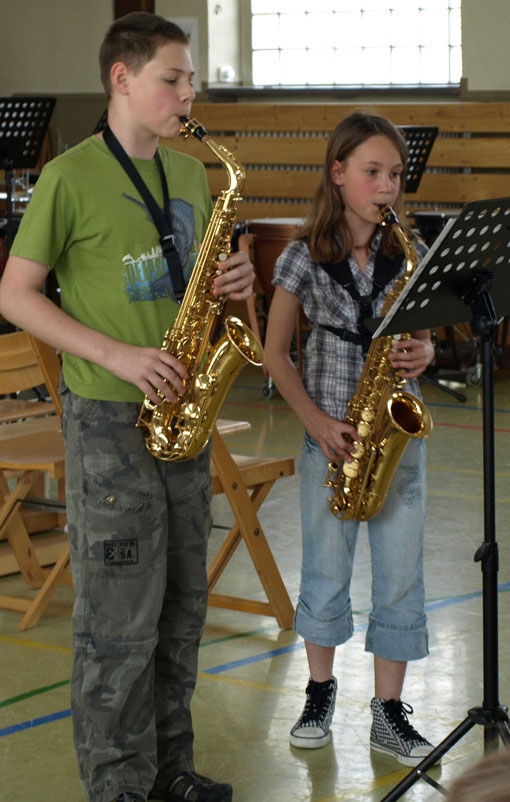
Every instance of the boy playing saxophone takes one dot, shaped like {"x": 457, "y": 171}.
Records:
{"x": 138, "y": 527}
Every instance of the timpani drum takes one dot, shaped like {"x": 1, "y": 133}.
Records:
{"x": 270, "y": 236}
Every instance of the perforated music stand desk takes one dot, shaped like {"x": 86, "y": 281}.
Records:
{"x": 476, "y": 241}
{"x": 467, "y": 273}
{"x": 23, "y": 125}
{"x": 419, "y": 140}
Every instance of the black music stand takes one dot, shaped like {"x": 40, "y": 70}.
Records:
{"x": 23, "y": 125}
{"x": 470, "y": 258}
{"x": 419, "y": 140}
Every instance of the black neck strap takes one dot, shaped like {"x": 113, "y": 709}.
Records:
{"x": 161, "y": 217}
{"x": 385, "y": 270}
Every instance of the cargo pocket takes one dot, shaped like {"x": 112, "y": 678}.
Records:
{"x": 126, "y": 547}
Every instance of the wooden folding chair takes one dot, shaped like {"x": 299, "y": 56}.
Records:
{"x": 23, "y": 359}
{"x": 30, "y": 447}
{"x": 25, "y": 364}
{"x": 235, "y": 476}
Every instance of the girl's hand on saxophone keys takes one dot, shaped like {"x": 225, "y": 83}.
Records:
{"x": 412, "y": 356}
{"x": 336, "y": 438}
{"x": 236, "y": 277}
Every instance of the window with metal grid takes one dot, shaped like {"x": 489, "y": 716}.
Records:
{"x": 346, "y": 43}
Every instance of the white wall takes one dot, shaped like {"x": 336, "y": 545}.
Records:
{"x": 485, "y": 48}
{"x": 51, "y": 46}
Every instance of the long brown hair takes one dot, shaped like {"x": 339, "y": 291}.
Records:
{"x": 327, "y": 213}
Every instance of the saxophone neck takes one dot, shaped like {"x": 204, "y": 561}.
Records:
{"x": 390, "y": 219}
{"x": 236, "y": 173}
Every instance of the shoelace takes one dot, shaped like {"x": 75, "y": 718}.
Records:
{"x": 316, "y": 700}
{"x": 399, "y": 712}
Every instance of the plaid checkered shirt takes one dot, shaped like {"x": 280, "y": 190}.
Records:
{"x": 332, "y": 366}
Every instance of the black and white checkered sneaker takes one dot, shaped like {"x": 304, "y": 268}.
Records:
{"x": 392, "y": 733}
{"x": 312, "y": 729}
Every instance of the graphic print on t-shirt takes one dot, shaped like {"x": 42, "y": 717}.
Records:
{"x": 146, "y": 274}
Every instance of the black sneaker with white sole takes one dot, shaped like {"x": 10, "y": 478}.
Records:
{"x": 392, "y": 733}
{"x": 193, "y": 787}
{"x": 311, "y": 731}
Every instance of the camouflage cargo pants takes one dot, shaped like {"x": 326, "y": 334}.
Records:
{"x": 138, "y": 530}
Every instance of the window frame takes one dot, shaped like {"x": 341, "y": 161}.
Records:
{"x": 337, "y": 90}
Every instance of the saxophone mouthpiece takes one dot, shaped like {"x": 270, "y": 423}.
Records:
{"x": 387, "y": 215}
{"x": 191, "y": 127}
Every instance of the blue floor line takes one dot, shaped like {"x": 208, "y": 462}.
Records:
{"x": 293, "y": 647}
{"x": 359, "y": 628}
{"x": 35, "y": 722}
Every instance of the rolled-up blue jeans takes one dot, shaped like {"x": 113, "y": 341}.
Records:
{"x": 397, "y": 623}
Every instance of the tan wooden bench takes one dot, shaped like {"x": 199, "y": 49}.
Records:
{"x": 282, "y": 146}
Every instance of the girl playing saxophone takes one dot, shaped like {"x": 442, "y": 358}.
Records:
{"x": 339, "y": 269}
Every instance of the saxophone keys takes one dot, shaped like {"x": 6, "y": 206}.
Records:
{"x": 359, "y": 449}
{"x": 363, "y": 429}
{"x": 192, "y": 413}
{"x": 332, "y": 470}
{"x": 350, "y": 469}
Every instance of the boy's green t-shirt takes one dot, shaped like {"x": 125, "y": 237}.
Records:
{"x": 87, "y": 221}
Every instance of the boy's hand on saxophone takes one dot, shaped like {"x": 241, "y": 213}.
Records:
{"x": 156, "y": 372}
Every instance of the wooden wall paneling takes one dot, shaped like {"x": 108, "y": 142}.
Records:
{"x": 282, "y": 147}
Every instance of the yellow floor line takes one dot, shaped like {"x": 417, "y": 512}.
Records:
{"x": 243, "y": 683}
{"x": 469, "y": 496}
{"x": 33, "y": 644}
{"x": 470, "y": 471}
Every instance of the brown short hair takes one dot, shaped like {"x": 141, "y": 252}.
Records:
{"x": 134, "y": 39}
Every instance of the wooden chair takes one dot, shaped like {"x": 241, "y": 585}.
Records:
{"x": 26, "y": 363}
{"x": 30, "y": 447}
{"x": 236, "y": 475}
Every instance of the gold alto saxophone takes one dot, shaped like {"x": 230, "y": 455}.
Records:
{"x": 385, "y": 416}
{"x": 181, "y": 429}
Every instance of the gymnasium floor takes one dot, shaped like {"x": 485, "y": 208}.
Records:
{"x": 252, "y": 675}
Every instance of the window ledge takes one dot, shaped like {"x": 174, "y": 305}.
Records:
{"x": 229, "y": 93}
